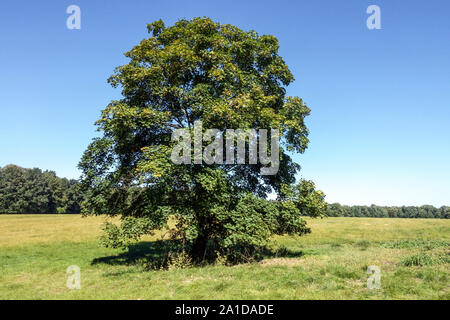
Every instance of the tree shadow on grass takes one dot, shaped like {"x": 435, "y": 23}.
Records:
{"x": 154, "y": 254}
{"x": 149, "y": 253}
{"x": 282, "y": 252}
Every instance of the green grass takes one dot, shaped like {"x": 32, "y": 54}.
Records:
{"x": 330, "y": 263}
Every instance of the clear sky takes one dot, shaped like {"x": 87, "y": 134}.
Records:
{"x": 380, "y": 99}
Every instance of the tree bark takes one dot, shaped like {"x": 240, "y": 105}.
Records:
{"x": 199, "y": 248}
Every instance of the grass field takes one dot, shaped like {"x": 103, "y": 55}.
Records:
{"x": 330, "y": 263}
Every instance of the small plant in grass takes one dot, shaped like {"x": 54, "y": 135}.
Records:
{"x": 363, "y": 244}
{"x": 221, "y": 260}
{"x": 180, "y": 260}
{"x": 420, "y": 259}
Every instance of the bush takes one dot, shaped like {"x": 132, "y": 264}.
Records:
{"x": 420, "y": 259}
{"x": 180, "y": 260}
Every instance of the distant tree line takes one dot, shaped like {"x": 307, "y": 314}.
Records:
{"x": 373, "y": 211}
{"x": 36, "y": 191}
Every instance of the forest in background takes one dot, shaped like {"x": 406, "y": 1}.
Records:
{"x": 373, "y": 211}
{"x": 35, "y": 191}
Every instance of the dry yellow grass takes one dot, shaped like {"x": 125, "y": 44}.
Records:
{"x": 373, "y": 229}
{"x": 33, "y": 228}
{"x": 26, "y": 229}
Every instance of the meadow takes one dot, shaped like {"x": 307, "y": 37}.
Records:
{"x": 329, "y": 263}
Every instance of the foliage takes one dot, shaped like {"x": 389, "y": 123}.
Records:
{"x": 426, "y": 211}
{"x": 227, "y": 78}
{"x": 127, "y": 233}
{"x": 308, "y": 200}
{"x": 34, "y": 191}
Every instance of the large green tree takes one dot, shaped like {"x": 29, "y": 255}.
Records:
{"x": 227, "y": 78}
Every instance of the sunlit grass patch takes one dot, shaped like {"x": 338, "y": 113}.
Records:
{"x": 329, "y": 263}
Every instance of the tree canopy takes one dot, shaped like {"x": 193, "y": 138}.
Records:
{"x": 227, "y": 78}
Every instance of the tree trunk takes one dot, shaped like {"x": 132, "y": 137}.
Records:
{"x": 199, "y": 248}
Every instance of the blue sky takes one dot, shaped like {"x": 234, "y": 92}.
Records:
{"x": 380, "y": 99}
